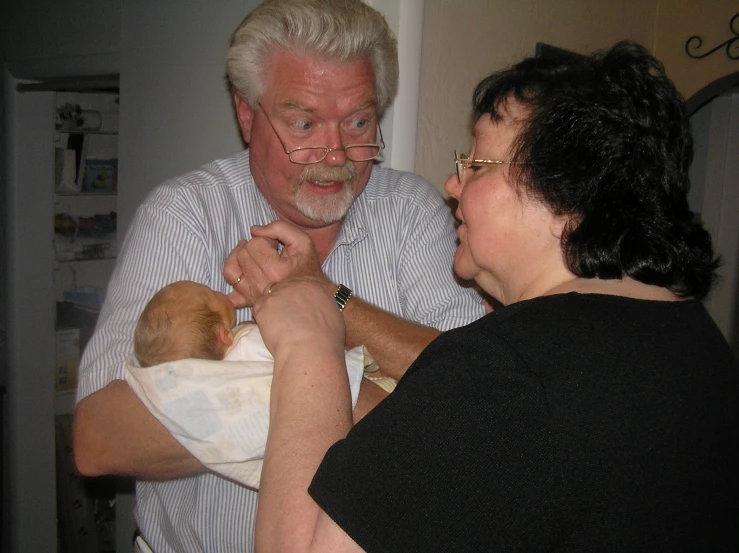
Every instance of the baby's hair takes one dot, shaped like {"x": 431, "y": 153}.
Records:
{"x": 177, "y": 323}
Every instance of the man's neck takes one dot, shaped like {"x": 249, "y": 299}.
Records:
{"x": 323, "y": 239}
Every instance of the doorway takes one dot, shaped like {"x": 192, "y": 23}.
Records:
{"x": 715, "y": 191}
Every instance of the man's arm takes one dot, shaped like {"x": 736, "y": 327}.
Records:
{"x": 370, "y": 394}
{"x": 114, "y": 433}
{"x": 393, "y": 342}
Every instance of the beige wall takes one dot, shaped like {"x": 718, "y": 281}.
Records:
{"x": 678, "y": 20}
{"x": 465, "y": 40}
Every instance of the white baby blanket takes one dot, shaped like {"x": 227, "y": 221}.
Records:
{"x": 219, "y": 410}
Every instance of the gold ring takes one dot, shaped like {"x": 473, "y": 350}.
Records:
{"x": 238, "y": 279}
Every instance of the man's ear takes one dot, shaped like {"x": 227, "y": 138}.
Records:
{"x": 224, "y": 335}
{"x": 245, "y": 115}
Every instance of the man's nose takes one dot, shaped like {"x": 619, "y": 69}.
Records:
{"x": 337, "y": 155}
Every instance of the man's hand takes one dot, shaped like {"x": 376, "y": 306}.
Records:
{"x": 254, "y": 265}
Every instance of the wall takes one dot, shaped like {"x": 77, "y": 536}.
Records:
{"x": 465, "y": 40}
{"x": 36, "y": 34}
{"x": 176, "y": 111}
{"x": 677, "y": 21}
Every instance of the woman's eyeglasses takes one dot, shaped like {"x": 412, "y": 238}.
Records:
{"x": 462, "y": 162}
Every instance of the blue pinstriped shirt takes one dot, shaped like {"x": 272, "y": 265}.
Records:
{"x": 395, "y": 250}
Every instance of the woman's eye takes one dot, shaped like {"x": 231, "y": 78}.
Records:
{"x": 475, "y": 168}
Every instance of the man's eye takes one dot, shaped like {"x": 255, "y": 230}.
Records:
{"x": 302, "y": 125}
{"x": 357, "y": 126}
{"x": 475, "y": 168}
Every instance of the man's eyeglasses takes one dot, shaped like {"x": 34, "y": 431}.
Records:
{"x": 316, "y": 154}
{"x": 462, "y": 162}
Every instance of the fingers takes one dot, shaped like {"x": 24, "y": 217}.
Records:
{"x": 232, "y": 273}
{"x": 249, "y": 268}
{"x": 254, "y": 265}
{"x": 282, "y": 232}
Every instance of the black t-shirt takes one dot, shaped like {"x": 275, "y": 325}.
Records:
{"x": 564, "y": 423}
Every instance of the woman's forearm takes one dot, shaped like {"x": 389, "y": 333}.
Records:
{"x": 310, "y": 410}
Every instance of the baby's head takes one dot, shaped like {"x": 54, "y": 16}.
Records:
{"x": 184, "y": 320}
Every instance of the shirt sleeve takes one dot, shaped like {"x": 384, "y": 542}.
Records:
{"x": 160, "y": 247}
{"x": 429, "y": 291}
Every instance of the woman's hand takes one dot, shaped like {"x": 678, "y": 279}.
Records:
{"x": 300, "y": 315}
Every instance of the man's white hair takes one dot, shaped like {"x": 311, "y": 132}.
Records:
{"x": 342, "y": 30}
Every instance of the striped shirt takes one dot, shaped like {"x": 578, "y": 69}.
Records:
{"x": 394, "y": 250}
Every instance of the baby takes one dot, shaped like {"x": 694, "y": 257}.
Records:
{"x": 208, "y": 381}
{"x": 184, "y": 320}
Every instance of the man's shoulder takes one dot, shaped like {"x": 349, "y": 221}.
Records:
{"x": 226, "y": 171}
{"x": 210, "y": 179}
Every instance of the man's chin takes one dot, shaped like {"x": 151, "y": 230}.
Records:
{"x": 326, "y": 209}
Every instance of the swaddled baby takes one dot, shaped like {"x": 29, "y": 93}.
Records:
{"x": 208, "y": 380}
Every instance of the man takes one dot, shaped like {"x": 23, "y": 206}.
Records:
{"x": 311, "y": 80}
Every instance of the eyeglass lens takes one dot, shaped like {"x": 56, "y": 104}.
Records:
{"x": 354, "y": 152}
{"x": 459, "y": 161}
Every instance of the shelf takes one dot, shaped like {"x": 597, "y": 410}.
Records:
{"x": 86, "y": 194}
{"x": 78, "y": 131}
{"x": 86, "y": 260}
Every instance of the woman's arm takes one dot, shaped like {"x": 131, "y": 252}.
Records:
{"x": 310, "y": 409}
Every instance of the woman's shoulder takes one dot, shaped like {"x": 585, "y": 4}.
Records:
{"x": 548, "y": 329}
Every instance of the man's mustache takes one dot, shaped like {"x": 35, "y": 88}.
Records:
{"x": 322, "y": 173}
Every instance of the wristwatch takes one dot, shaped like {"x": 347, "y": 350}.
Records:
{"x": 342, "y": 296}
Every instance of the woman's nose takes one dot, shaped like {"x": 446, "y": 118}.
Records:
{"x": 452, "y": 186}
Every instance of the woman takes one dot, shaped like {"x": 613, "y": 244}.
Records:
{"x": 597, "y": 411}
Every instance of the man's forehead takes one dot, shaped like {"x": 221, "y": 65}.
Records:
{"x": 293, "y": 104}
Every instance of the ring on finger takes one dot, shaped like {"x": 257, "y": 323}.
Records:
{"x": 238, "y": 279}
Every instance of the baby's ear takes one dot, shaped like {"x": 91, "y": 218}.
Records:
{"x": 225, "y": 336}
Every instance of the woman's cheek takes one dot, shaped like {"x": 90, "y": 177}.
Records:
{"x": 464, "y": 267}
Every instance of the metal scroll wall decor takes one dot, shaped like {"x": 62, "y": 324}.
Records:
{"x": 694, "y": 43}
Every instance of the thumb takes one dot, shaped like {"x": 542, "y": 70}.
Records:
{"x": 237, "y": 300}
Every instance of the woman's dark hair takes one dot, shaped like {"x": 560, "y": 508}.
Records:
{"x": 606, "y": 141}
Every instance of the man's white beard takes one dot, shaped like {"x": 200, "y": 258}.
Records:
{"x": 326, "y": 208}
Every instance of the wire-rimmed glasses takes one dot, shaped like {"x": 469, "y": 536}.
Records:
{"x": 315, "y": 154}
{"x": 462, "y": 162}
